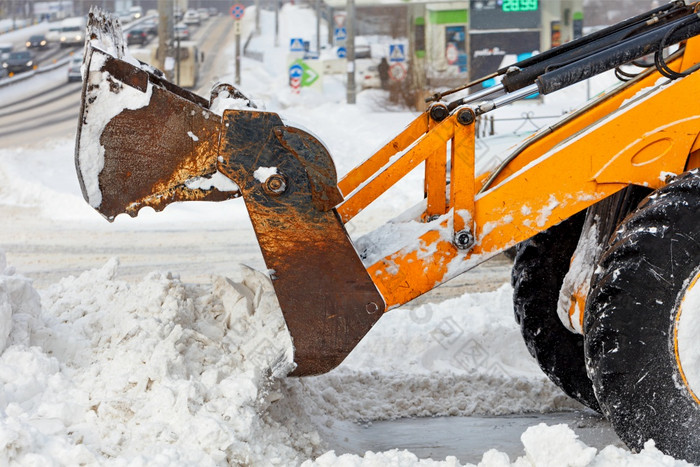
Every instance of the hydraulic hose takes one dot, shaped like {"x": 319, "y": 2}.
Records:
{"x": 619, "y": 54}
{"x": 526, "y": 72}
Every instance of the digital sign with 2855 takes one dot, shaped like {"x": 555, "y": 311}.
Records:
{"x": 519, "y": 5}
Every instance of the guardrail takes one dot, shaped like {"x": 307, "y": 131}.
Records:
{"x": 252, "y": 54}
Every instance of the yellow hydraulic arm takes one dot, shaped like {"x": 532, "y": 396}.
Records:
{"x": 640, "y": 133}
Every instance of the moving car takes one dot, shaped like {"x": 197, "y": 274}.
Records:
{"x": 72, "y": 31}
{"x": 5, "y": 49}
{"x": 191, "y": 17}
{"x": 137, "y": 36}
{"x": 150, "y": 25}
{"x": 37, "y": 41}
{"x": 136, "y": 12}
{"x": 54, "y": 34}
{"x": 74, "y": 65}
{"x": 18, "y": 62}
{"x": 182, "y": 32}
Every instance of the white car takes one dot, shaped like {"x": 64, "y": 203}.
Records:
{"x": 203, "y": 14}
{"x": 191, "y": 17}
{"x": 5, "y": 49}
{"x": 136, "y": 12}
{"x": 74, "y": 65}
{"x": 182, "y": 32}
{"x": 72, "y": 31}
{"x": 54, "y": 34}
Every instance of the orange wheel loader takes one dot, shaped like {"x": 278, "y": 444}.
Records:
{"x": 603, "y": 208}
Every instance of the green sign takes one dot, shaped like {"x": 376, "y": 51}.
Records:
{"x": 519, "y": 5}
{"x": 309, "y": 75}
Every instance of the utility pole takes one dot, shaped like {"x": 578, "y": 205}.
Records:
{"x": 350, "y": 24}
{"x": 163, "y": 33}
{"x": 331, "y": 24}
{"x": 318, "y": 27}
{"x": 277, "y": 23}
{"x": 257, "y": 17}
{"x": 237, "y": 30}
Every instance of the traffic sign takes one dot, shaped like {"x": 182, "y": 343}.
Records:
{"x": 339, "y": 19}
{"x": 237, "y": 11}
{"x": 300, "y": 69}
{"x": 296, "y": 44}
{"x": 340, "y": 34}
{"x": 296, "y": 71}
{"x": 309, "y": 77}
{"x": 397, "y": 71}
{"x": 397, "y": 53}
{"x": 237, "y": 27}
{"x": 342, "y": 52}
{"x": 295, "y": 83}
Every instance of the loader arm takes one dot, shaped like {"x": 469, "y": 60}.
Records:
{"x": 330, "y": 294}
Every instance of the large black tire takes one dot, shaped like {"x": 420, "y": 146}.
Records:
{"x": 630, "y": 320}
{"x": 538, "y": 273}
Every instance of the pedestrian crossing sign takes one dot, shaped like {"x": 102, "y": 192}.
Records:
{"x": 296, "y": 44}
{"x": 396, "y": 53}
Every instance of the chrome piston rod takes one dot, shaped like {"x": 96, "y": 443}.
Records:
{"x": 488, "y": 106}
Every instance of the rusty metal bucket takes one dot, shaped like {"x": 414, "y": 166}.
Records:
{"x": 144, "y": 142}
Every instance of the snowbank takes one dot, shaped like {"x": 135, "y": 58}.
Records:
{"x": 100, "y": 371}
{"x": 157, "y": 372}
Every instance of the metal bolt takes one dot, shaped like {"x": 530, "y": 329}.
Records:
{"x": 464, "y": 240}
{"x": 439, "y": 112}
{"x": 371, "y": 308}
{"x": 275, "y": 185}
{"x": 466, "y": 116}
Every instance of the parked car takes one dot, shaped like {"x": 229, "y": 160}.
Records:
{"x": 203, "y": 14}
{"x": 363, "y": 51}
{"x": 136, "y": 36}
{"x": 74, "y": 65}
{"x": 369, "y": 77}
{"x": 191, "y": 17}
{"x": 37, "y": 41}
{"x": 182, "y": 32}
{"x": 18, "y": 62}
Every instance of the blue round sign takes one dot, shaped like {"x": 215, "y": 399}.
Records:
{"x": 342, "y": 52}
{"x": 296, "y": 71}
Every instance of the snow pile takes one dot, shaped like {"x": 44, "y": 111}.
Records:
{"x": 157, "y": 372}
{"x": 165, "y": 373}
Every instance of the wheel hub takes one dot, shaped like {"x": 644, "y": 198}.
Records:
{"x": 686, "y": 332}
